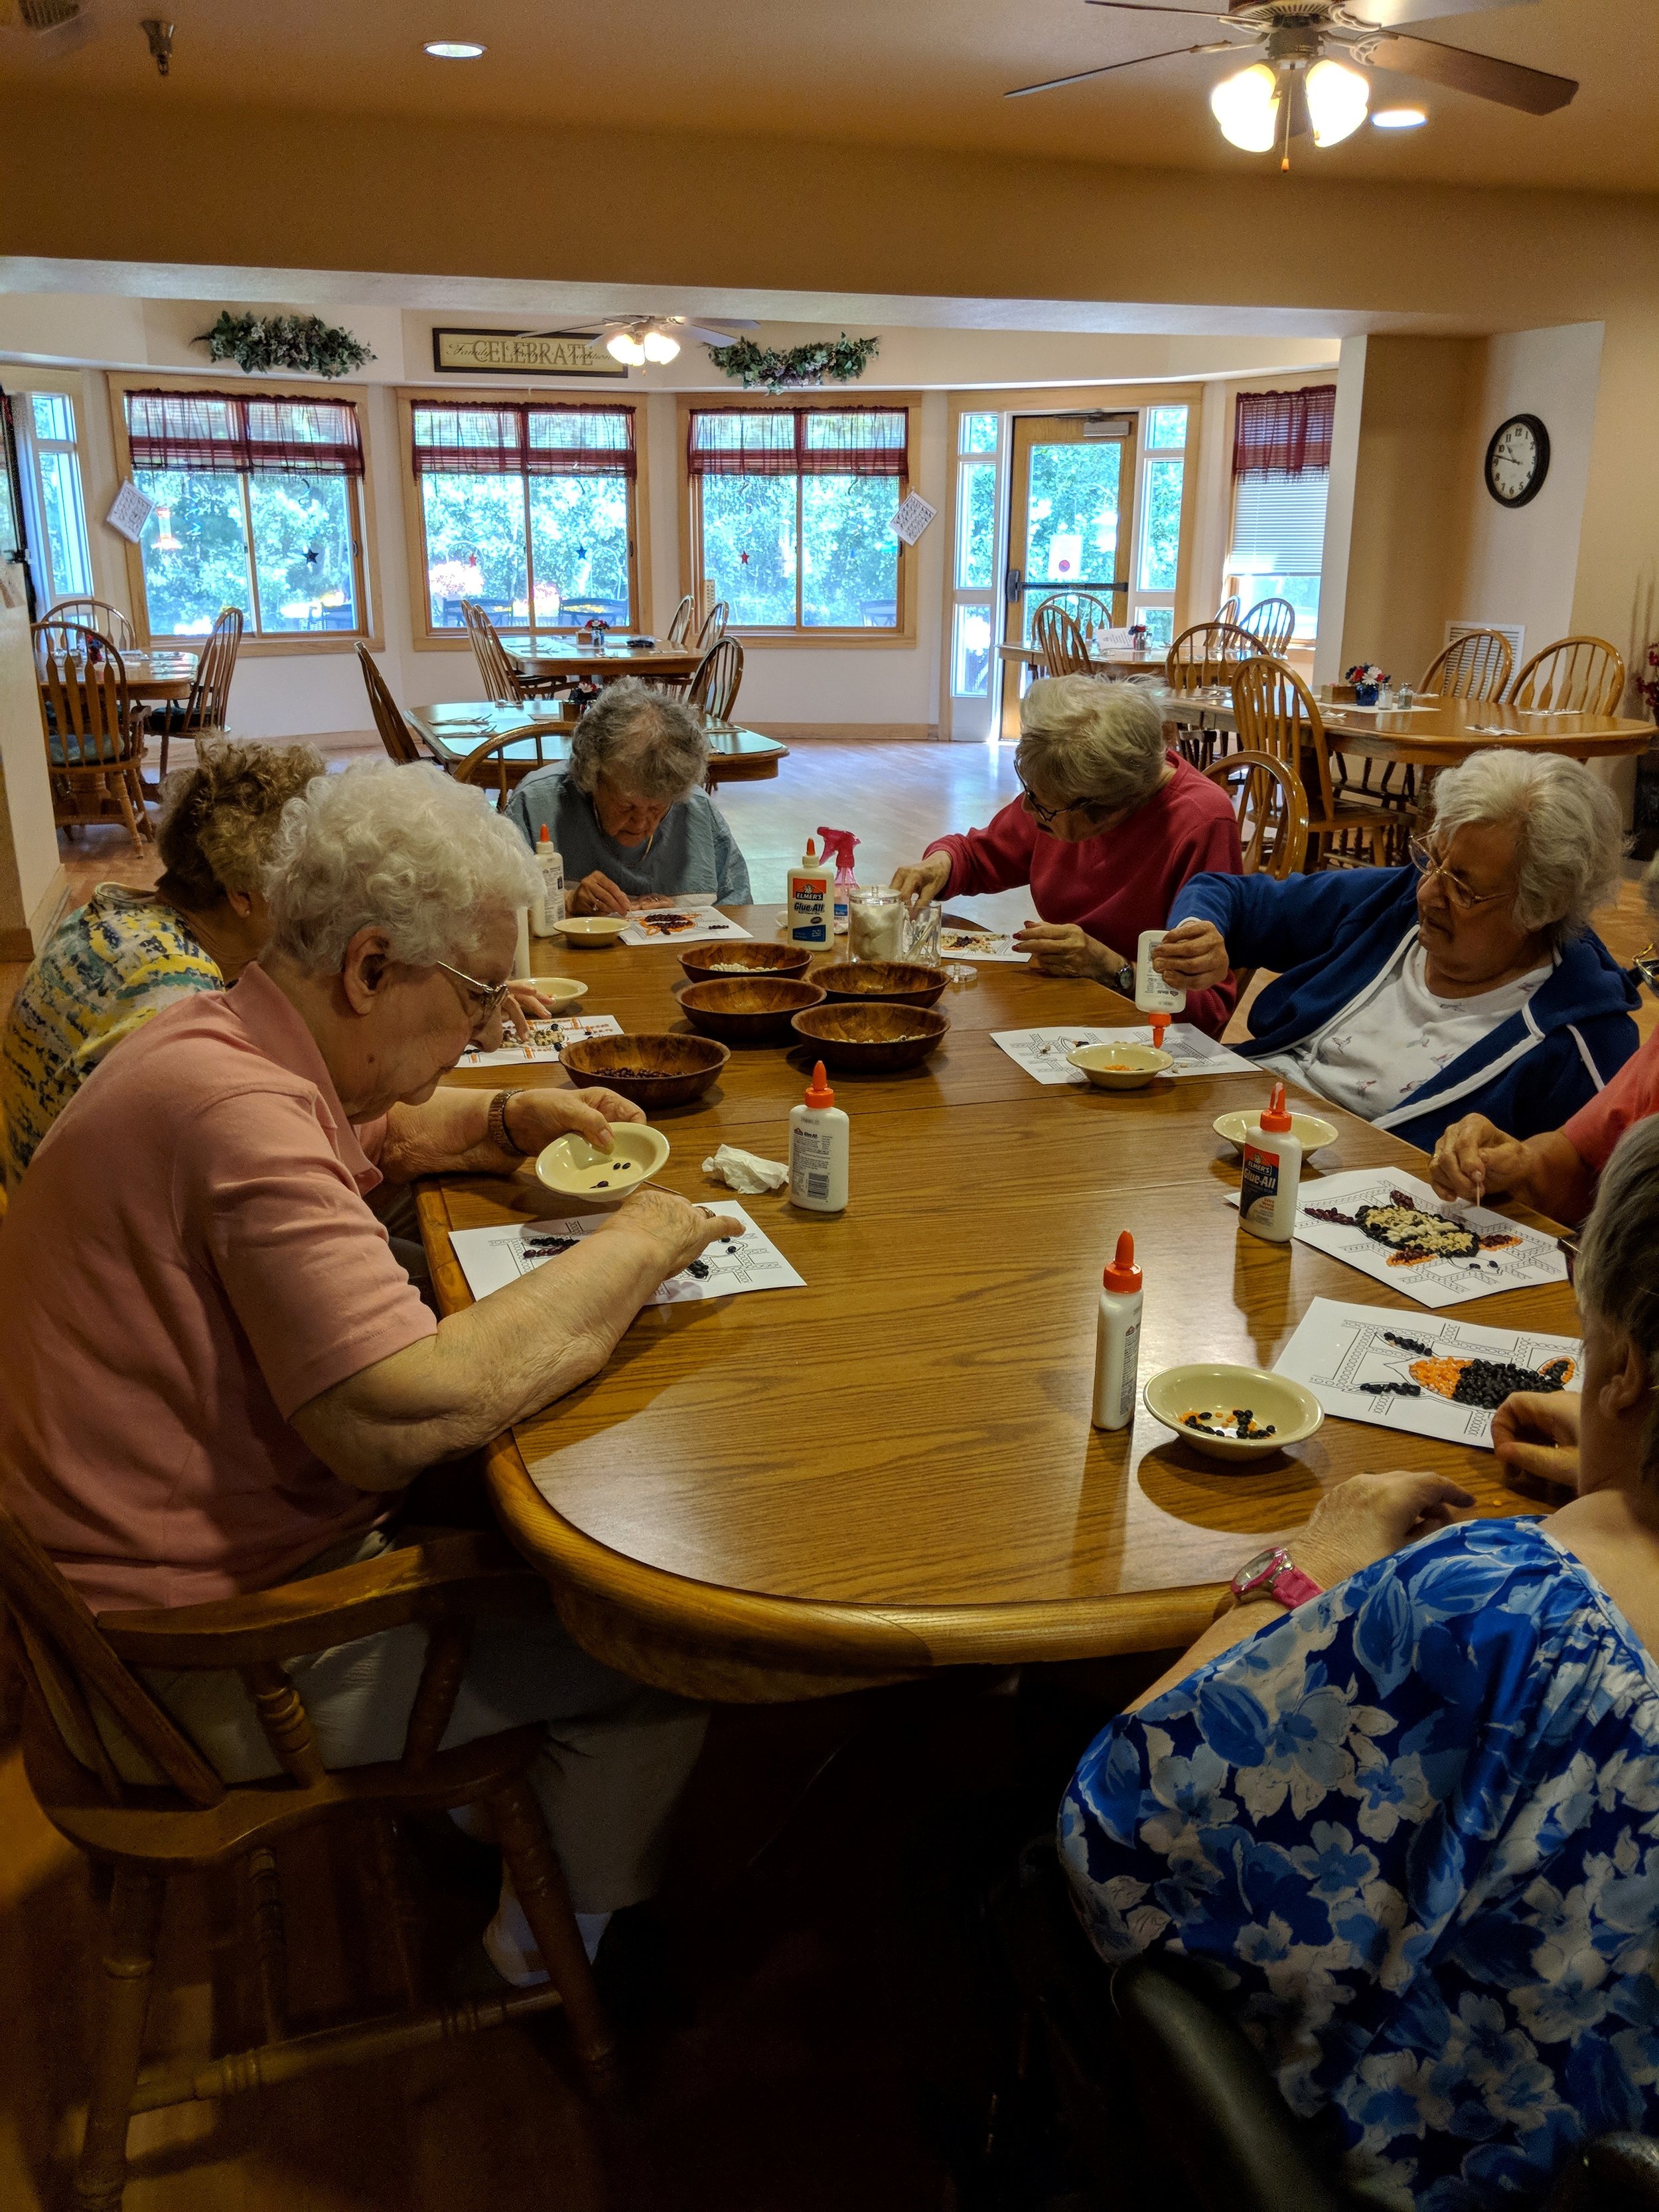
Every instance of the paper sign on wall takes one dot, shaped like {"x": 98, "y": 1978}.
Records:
{"x": 913, "y": 518}
{"x": 130, "y": 511}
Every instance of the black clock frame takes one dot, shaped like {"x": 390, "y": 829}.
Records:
{"x": 1542, "y": 437}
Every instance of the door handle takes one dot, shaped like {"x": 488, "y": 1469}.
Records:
{"x": 1012, "y": 586}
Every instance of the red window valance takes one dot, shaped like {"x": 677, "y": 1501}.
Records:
{"x": 1283, "y": 434}
{"x": 808, "y": 441}
{"x": 509, "y": 438}
{"x": 234, "y": 434}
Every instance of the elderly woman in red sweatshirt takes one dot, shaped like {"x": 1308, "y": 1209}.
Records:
{"x": 1108, "y": 826}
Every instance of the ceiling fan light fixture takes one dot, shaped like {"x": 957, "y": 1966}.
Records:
{"x": 1247, "y": 108}
{"x": 1398, "y": 119}
{"x": 452, "y": 50}
{"x": 1338, "y": 99}
{"x": 659, "y": 346}
{"x": 622, "y": 345}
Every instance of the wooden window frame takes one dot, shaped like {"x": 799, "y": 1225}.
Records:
{"x": 903, "y": 633}
{"x": 365, "y": 542}
{"x": 428, "y": 639}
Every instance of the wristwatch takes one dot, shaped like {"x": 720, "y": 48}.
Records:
{"x": 1123, "y": 982}
{"x": 1274, "y": 1571}
{"x": 499, "y": 1135}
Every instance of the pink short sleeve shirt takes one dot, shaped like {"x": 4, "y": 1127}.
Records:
{"x": 1630, "y": 1098}
{"x": 189, "y": 1260}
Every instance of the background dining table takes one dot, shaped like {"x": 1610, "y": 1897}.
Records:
{"x": 551, "y": 660}
{"x": 1434, "y": 733}
{"x": 454, "y": 728}
{"x": 892, "y": 1471}
{"x": 1102, "y": 663}
{"x": 157, "y": 674}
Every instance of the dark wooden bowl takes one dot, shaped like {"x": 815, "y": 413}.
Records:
{"x": 714, "y": 962}
{"x": 869, "y": 1039}
{"x": 676, "y": 1068}
{"x": 747, "y": 1010}
{"x": 897, "y": 982}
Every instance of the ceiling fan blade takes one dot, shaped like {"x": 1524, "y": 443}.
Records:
{"x": 718, "y": 322}
{"x": 1155, "y": 8}
{"x": 1512, "y": 85}
{"x": 706, "y": 334}
{"x": 1081, "y": 77}
{"x": 1385, "y": 14}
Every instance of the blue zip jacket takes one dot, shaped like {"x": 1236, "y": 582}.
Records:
{"x": 1329, "y": 935}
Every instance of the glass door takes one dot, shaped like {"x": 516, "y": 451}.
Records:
{"x": 1071, "y": 525}
{"x": 975, "y": 687}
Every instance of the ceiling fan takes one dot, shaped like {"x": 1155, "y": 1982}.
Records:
{"x": 1299, "y": 87}
{"x": 638, "y": 339}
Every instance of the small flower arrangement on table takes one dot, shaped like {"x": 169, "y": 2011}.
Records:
{"x": 1647, "y": 682}
{"x": 1367, "y": 680}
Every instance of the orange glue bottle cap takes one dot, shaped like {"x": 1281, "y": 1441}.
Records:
{"x": 1160, "y": 1024}
{"x": 546, "y": 837}
{"x": 819, "y": 1093}
{"x": 1276, "y": 1118}
{"x": 1121, "y": 1273}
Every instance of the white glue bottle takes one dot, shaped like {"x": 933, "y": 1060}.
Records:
{"x": 811, "y": 900}
{"x": 819, "y": 1136}
{"x": 1152, "y": 994}
{"x": 548, "y": 912}
{"x": 1273, "y": 1174}
{"x": 1117, "y": 1338}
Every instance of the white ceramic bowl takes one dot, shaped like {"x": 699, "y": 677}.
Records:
{"x": 1311, "y": 1132}
{"x": 557, "y": 990}
{"x": 1119, "y": 1067}
{"x": 1290, "y": 1409}
{"x": 571, "y": 1166}
{"x": 594, "y": 928}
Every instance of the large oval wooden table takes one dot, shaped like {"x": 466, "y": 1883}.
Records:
{"x": 892, "y": 1471}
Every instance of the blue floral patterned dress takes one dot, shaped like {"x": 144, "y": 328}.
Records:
{"x": 1413, "y": 1826}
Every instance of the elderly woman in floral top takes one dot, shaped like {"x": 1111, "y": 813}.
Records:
{"x": 1410, "y": 1818}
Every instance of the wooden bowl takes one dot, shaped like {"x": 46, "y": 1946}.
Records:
{"x": 905, "y": 982}
{"x": 869, "y": 1039}
{"x": 651, "y": 1070}
{"x": 747, "y": 1010}
{"x": 706, "y": 964}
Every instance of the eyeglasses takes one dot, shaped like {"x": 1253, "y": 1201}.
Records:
{"x": 1045, "y": 815}
{"x": 1459, "y": 896}
{"x": 489, "y": 995}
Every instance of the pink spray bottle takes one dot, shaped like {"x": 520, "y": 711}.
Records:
{"x": 838, "y": 845}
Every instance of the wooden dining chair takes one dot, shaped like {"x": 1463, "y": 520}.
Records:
{"x": 1228, "y": 610}
{"x": 1574, "y": 675}
{"x": 713, "y": 625}
{"x": 487, "y": 765}
{"x": 1474, "y": 666}
{"x": 204, "y": 713}
{"x": 107, "y": 619}
{"x": 1271, "y": 809}
{"x": 1088, "y": 611}
{"x": 717, "y": 680}
{"x": 1278, "y": 715}
{"x": 680, "y": 626}
{"x": 400, "y": 740}
{"x": 95, "y": 735}
{"x": 1058, "y": 638}
{"x": 1205, "y": 654}
{"x": 503, "y": 683}
{"x": 1273, "y": 621}
{"x": 88, "y": 1714}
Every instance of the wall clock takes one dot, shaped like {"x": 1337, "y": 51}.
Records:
{"x": 1517, "y": 461}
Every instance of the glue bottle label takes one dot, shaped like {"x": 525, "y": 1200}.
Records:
{"x": 1125, "y": 1404}
{"x": 1259, "y": 1189}
{"x": 811, "y": 910}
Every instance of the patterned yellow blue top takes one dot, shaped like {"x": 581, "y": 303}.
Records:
{"x": 124, "y": 956}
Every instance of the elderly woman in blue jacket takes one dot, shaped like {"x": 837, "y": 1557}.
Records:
{"x": 1470, "y": 980}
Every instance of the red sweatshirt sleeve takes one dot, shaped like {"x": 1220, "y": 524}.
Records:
{"x": 995, "y": 858}
{"x": 1212, "y": 850}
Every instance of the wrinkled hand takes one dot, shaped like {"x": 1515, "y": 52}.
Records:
{"x": 920, "y": 885}
{"x": 536, "y": 1117}
{"x": 1192, "y": 956}
{"x": 678, "y": 1232}
{"x": 1061, "y": 948}
{"x": 1475, "y": 1159}
{"x": 597, "y": 894}
{"x": 1536, "y": 1432}
{"x": 1370, "y": 1515}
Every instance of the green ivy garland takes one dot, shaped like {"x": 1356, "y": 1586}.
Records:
{"x": 790, "y": 368}
{"x": 260, "y": 343}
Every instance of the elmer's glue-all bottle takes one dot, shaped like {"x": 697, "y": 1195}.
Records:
{"x": 811, "y": 900}
{"x": 1117, "y": 1338}
{"x": 548, "y": 912}
{"x": 1273, "y": 1174}
{"x": 819, "y": 1137}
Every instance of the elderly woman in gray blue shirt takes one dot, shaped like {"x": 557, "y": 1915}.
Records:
{"x": 629, "y": 815}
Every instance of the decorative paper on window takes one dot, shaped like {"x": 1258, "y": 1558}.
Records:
{"x": 1042, "y": 1053}
{"x": 546, "y": 1040}
{"x": 913, "y": 518}
{"x": 1433, "y": 1378}
{"x": 130, "y": 511}
{"x": 492, "y": 1258}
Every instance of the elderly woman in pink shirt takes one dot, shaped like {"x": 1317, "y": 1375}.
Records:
{"x": 214, "y": 1376}
{"x": 1109, "y": 825}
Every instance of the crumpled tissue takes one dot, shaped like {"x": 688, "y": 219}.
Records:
{"x": 746, "y": 1171}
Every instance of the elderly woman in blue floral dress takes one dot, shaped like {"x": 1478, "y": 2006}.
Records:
{"x": 1405, "y": 1805}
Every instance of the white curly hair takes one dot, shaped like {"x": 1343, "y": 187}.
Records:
{"x": 399, "y": 849}
{"x": 1568, "y": 836}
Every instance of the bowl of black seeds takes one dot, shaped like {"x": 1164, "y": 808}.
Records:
{"x": 1232, "y": 1412}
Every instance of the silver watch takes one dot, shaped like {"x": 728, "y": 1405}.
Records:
{"x": 499, "y": 1135}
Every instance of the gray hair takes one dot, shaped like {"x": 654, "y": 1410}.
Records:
{"x": 1617, "y": 1277}
{"x": 1569, "y": 840}
{"x": 401, "y": 849}
{"x": 651, "y": 746}
{"x": 1083, "y": 741}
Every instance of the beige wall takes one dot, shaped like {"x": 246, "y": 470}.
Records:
{"x": 33, "y": 884}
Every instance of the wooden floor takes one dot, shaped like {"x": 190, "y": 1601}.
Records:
{"x": 824, "y": 2052}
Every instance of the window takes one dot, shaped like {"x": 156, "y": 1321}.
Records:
{"x": 57, "y": 534}
{"x": 791, "y": 514}
{"x": 1279, "y": 540}
{"x": 258, "y": 506}
{"x": 973, "y": 610}
{"x": 528, "y": 509}
{"x": 1157, "y": 550}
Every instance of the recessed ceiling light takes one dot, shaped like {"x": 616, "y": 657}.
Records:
{"x": 1399, "y": 118}
{"x": 452, "y": 50}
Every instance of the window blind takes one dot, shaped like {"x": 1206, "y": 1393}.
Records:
{"x": 1287, "y": 433}
{"x": 506, "y": 438}
{"x": 808, "y": 441}
{"x": 1279, "y": 525}
{"x": 232, "y": 433}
